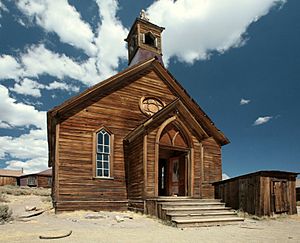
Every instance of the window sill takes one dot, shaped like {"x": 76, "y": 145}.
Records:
{"x": 103, "y": 178}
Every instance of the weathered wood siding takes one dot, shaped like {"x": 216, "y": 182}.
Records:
{"x": 212, "y": 167}
{"x": 119, "y": 112}
{"x": 44, "y": 181}
{"x": 7, "y": 180}
{"x": 254, "y": 193}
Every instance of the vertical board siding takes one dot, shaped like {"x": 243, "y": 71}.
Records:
{"x": 254, "y": 193}
{"x": 6, "y": 180}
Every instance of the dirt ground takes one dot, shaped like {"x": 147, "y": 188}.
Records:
{"x": 134, "y": 227}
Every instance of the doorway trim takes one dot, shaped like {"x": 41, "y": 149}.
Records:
{"x": 190, "y": 168}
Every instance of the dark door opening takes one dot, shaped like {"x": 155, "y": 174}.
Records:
{"x": 172, "y": 178}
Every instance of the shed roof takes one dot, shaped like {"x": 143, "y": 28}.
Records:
{"x": 47, "y": 172}
{"x": 268, "y": 173}
{"x": 12, "y": 173}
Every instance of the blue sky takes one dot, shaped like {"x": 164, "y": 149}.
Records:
{"x": 240, "y": 60}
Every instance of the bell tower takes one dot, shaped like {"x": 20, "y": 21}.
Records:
{"x": 144, "y": 40}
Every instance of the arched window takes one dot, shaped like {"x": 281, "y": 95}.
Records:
{"x": 103, "y": 154}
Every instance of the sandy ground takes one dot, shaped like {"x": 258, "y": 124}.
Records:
{"x": 135, "y": 227}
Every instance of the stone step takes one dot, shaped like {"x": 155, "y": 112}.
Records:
{"x": 194, "y": 222}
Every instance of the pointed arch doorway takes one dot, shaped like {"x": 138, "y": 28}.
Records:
{"x": 174, "y": 153}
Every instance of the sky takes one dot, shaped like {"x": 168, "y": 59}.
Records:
{"x": 240, "y": 60}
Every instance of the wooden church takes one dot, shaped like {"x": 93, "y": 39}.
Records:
{"x": 133, "y": 140}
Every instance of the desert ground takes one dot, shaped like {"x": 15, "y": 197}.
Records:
{"x": 130, "y": 227}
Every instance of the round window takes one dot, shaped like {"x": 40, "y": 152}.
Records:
{"x": 150, "y": 105}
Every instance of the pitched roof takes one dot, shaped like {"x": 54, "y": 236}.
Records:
{"x": 12, "y": 173}
{"x": 116, "y": 81}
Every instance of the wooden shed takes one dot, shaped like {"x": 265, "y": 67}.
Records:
{"x": 260, "y": 193}
{"x": 40, "y": 179}
{"x": 133, "y": 137}
{"x": 10, "y": 177}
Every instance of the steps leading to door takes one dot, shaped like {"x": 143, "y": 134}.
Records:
{"x": 189, "y": 212}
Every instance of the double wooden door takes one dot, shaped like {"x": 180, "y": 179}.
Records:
{"x": 173, "y": 176}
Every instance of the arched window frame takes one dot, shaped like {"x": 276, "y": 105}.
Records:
{"x": 108, "y": 153}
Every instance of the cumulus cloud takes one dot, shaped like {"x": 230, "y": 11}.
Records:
{"x": 28, "y": 150}
{"x": 244, "y": 101}
{"x": 29, "y": 166}
{"x": 195, "y": 28}
{"x": 28, "y": 87}
{"x": 9, "y": 67}
{"x": 110, "y": 40}
{"x": 33, "y": 88}
{"x": 17, "y": 114}
{"x": 61, "y": 18}
{"x": 262, "y": 120}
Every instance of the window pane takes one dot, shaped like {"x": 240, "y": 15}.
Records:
{"x": 100, "y": 149}
{"x": 99, "y": 164}
{"x": 105, "y": 157}
{"x": 105, "y": 172}
{"x": 106, "y": 149}
{"x": 100, "y": 138}
{"x": 106, "y": 139}
{"x": 99, "y": 172}
{"x": 105, "y": 165}
{"x": 99, "y": 157}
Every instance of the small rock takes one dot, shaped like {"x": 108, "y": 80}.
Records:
{"x": 94, "y": 216}
{"x": 119, "y": 219}
{"x": 128, "y": 217}
{"x": 30, "y": 208}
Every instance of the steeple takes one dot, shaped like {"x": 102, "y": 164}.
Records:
{"x": 144, "y": 40}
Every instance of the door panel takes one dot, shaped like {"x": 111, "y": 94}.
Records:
{"x": 280, "y": 196}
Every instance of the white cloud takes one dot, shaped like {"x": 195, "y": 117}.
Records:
{"x": 33, "y": 88}
{"x": 28, "y": 150}
{"x": 62, "y": 86}
{"x": 9, "y": 67}
{"x": 19, "y": 114}
{"x": 30, "y": 166}
{"x": 262, "y": 120}
{"x": 225, "y": 176}
{"x": 63, "y": 19}
{"x": 28, "y": 87}
{"x": 195, "y": 28}
{"x": 244, "y": 101}
{"x": 110, "y": 39}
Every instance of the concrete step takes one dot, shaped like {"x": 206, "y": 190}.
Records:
{"x": 194, "y": 222}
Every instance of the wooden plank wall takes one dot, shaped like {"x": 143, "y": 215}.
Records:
{"x": 150, "y": 186}
{"x": 212, "y": 167}
{"x": 6, "y": 180}
{"x": 43, "y": 181}
{"x": 253, "y": 194}
{"x": 135, "y": 169}
{"x": 119, "y": 112}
